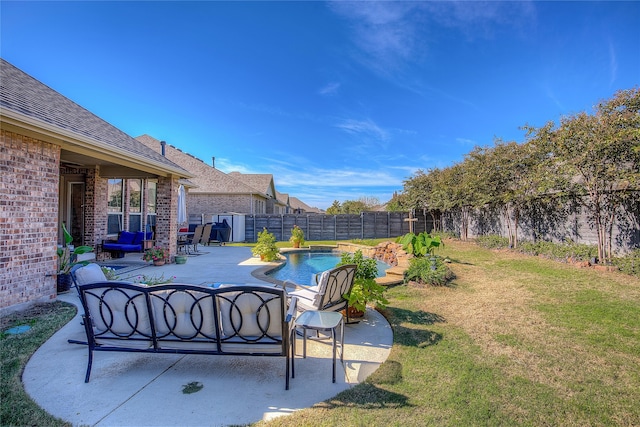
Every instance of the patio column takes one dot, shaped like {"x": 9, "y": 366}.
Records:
{"x": 167, "y": 214}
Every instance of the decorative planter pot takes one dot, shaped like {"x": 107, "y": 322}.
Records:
{"x": 63, "y": 283}
{"x": 181, "y": 259}
{"x": 158, "y": 262}
{"x": 296, "y": 245}
{"x": 354, "y": 313}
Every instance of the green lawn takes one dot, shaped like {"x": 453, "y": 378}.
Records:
{"x": 514, "y": 340}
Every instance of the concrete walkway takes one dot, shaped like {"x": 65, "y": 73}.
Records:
{"x": 133, "y": 389}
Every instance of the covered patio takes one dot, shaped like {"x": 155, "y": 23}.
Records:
{"x": 152, "y": 389}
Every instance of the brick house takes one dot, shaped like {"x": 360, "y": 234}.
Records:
{"x": 216, "y": 192}
{"x": 62, "y": 164}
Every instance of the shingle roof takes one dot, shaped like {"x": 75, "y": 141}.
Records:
{"x": 296, "y": 203}
{"x": 262, "y": 182}
{"x": 21, "y": 93}
{"x": 208, "y": 180}
{"x": 282, "y": 197}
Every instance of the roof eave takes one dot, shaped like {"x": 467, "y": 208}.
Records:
{"x": 84, "y": 145}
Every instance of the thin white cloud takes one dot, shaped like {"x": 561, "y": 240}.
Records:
{"x": 390, "y": 35}
{"x": 337, "y": 178}
{"x": 226, "y": 166}
{"x": 330, "y": 89}
{"x": 383, "y": 31}
{"x": 363, "y": 127}
{"x": 465, "y": 141}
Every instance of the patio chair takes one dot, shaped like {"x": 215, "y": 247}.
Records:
{"x": 90, "y": 273}
{"x": 206, "y": 234}
{"x": 194, "y": 240}
{"x": 329, "y": 292}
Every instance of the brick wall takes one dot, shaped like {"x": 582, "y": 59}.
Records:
{"x": 28, "y": 219}
{"x": 167, "y": 216}
{"x": 208, "y": 204}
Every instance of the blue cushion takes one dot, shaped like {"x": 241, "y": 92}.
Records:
{"x": 121, "y": 247}
{"x": 138, "y": 238}
{"x": 126, "y": 238}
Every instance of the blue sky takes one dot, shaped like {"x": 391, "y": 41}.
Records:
{"x": 338, "y": 100}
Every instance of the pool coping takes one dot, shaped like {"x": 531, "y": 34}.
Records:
{"x": 393, "y": 275}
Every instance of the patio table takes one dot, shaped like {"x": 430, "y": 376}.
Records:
{"x": 322, "y": 321}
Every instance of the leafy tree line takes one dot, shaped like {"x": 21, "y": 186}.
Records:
{"x": 362, "y": 204}
{"x": 586, "y": 160}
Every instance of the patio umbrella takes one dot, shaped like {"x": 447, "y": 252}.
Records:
{"x": 182, "y": 205}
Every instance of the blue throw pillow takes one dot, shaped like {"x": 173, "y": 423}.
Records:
{"x": 126, "y": 238}
{"x": 138, "y": 238}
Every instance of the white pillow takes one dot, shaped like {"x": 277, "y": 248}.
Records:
{"x": 322, "y": 287}
{"x": 90, "y": 273}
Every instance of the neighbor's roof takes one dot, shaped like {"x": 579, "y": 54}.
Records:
{"x": 296, "y": 203}
{"x": 29, "y": 104}
{"x": 260, "y": 181}
{"x": 208, "y": 180}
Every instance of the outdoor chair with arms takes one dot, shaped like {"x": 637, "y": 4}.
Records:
{"x": 329, "y": 293}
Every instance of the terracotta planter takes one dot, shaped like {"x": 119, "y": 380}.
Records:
{"x": 296, "y": 245}
{"x": 158, "y": 262}
{"x": 355, "y": 313}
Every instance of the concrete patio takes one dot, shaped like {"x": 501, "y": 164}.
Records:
{"x": 134, "y": 389}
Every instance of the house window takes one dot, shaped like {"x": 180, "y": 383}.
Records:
{"x": 134, "y": 187}
{"x": 114, "y": 206}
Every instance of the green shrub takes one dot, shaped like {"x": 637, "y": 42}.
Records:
{"x": 560, "y": 251}
{"x": 445, "y": 234}
{"x": 420, "y": 245}
{"x": 630, "y": 263}
{"x": 493, "y": 241}
{"x": 432, "y": 271}
{"x": 266, "y": 246}
{"x": 367, "y": 268}
{"x": 365, "y": 289}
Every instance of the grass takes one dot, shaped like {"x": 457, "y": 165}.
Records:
{"x": 514, "y": 340}
{"x": 16, "y": 408}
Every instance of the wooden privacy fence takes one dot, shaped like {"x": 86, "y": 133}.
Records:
{"x": 367, "y": 225}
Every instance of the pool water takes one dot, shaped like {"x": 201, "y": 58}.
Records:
{"x": 301, "y": 267}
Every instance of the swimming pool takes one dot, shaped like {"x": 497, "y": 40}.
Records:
{"x": 301, "y": 267}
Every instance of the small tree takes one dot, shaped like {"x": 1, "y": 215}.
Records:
{"x": 266, "y": 246}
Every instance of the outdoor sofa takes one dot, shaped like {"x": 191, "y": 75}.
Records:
{"x": 126, "y": 242}
{"x": 188, "y": 319}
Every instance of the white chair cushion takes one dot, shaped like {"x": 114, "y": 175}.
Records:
{"x": 307, "y": 298}
{"x": 248, "y": 315}
{"x": 185, "y": 314}
{"x": 123, "y": 313}
{"x": 90, "y": 273}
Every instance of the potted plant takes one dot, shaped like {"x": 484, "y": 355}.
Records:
{"x": 365, "y": 289}
{"x": 67, "y": 255}
{"x": 266, "y": 246}
{"x": 297, "y": 236}
{"x": 156, "y": 254}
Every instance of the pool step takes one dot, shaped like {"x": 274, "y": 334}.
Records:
{"x": 394, "y": 276}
